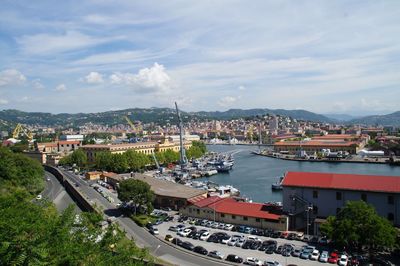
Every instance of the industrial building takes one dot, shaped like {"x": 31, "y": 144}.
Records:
{"x": 315, "y": 196}
{"x": 232, "y": 211}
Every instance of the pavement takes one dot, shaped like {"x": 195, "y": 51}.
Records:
{"x": 142, "y": 238}
{"x": 244, "y": 253}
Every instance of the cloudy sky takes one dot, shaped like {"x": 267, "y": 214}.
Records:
{"x": 89, "y": 56}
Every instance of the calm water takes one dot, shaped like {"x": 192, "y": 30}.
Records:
{"x": 253, "y": 174}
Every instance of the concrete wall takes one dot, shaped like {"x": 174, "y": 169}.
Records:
{"x": 327, "y": 203}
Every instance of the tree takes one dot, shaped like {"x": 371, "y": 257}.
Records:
{"x": 171, "y": 156}
{"x": 78, "y": 157}
{"x": 358, "y": 225}
{"x": 137, "y": 192}
{"x": 103, "y": 160}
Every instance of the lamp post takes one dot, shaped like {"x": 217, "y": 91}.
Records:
{"x": 309, "y": 208}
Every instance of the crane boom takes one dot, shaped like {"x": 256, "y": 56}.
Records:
{"x": 21, "y": 129}
{"x": 182, "y": 158}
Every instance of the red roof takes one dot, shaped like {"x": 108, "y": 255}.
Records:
{"x": 372, "y": 183}
{"x": 231, "y": 206}
{"x": 256, "y": 210}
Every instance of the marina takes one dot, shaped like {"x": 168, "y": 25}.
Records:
{"x": 254, "y": 175}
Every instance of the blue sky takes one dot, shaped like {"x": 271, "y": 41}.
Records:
{"x": 89, "y": 56}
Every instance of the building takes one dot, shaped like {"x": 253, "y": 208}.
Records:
{"x": 93, "y": 175}
{"x": 311, "y": 196}
{"x": 169, "y": 194}
{"x": 63, "y": 147}
{"x": 141, "y": 147}
{"x": 232, "y": 211}
{"x": 71, "y": 137}
{"x": 335, "y": 143}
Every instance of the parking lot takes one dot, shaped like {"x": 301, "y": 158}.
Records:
{"x": 226, "y": 249}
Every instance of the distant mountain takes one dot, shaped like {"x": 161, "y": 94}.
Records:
{"x": 341, "y": 117}
{"x": 237, "y": 113}
{"x": 392, "y": 119}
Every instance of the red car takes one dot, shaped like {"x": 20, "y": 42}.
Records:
{"x": 333, "y": 257}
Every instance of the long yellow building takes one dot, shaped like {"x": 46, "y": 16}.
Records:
{"x": 140, "y": 147}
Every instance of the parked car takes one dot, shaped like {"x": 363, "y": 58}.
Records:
{"x": 343, "y": 260}
{"x": 200, "y": 250}
{"x": 270, "y": 249}
{"x": 228, "y": 227}
{"x": 154, "y": 231}
{"x": 169, "y": 238}
{"x": 225, "y": 239}
{"x": 187, "y": 245}
{"x": 305, "y": 254}
{"x": 271, "y": 263}
{"x": 314, "y": 255}
{"x": 240, "y": 242}
{"x": 177, "y": 241}
{"x": 205, "y": 235}
{"x": 234, "y": 258}
{"x": 324, "y": 256}
{"x": 184, "y": 232}
{"x": 253, "y": 261}
{"x": 232, "y": 242}
{"x": 296, "y": 252}
{"x": 333, "y": 257}
{"x": 247, "y": 244}
{"x": 216, "y": 254}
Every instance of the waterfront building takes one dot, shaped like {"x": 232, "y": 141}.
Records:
{"x": 315, "y": 196}
{"x": 232, "y": 211}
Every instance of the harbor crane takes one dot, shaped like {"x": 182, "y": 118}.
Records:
{"x": 182, "y": 158}
{"x": 21, "y": 129}
{"x": 136, "y": 129}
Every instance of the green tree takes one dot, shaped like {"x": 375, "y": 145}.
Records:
{"x": 119, "y": 163}
{"x": 103, "y": 160}
{"x": 171, "y": 156}
{"x": 358, "y": 225}
{"x": 138, "y": 193}
{"x": 194, "y": 152}
{"x": 136, "y": 161}
{"x": 79, "y": 158}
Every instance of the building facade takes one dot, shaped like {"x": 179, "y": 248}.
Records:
{"x": 310, "y": 196}
{"x": 229, "y": 210}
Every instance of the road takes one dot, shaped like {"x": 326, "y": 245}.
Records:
{"x": 56, "y": 193}
{"x": 142, "y": 237}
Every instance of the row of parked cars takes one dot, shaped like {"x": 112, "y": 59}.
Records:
{"x": 218, "y": 255}
{"x": 268, "y": 246}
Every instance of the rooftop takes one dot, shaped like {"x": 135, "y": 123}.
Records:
{"x": 167, "y": 188}
{"x": 387, "y": 184}
{"x": 330, "y": 143}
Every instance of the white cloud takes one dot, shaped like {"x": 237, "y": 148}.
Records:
{"x": 37, "y": 84}
{"x": 153, "y": 79}
{"x": 61, "y": 87}
{"x": 227, "y": 101}
{"x": 10, "y": 77}
{"x": 49, "y": 43}
{"x": 94, "y": 78}
{"x": 3, "y": 101}
{"x": 241, "y": 88}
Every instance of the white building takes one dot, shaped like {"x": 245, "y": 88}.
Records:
{"x": 315, "y": 196}
{"x": 71, "y": 137}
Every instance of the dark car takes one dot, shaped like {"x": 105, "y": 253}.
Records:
{"x": 268, "y": 232}
{"x": 149, "y": 226}
{"x": 264, "y": 245}
{"x": 292, "y": 236}
{"x": 200, "y": 250}
{"x": 177, "y": 241}
{"x": 270, "y": 249}
{"x": 192, "y": 234}
{"x": 247, "y": 244}
{"x": 255, "y": 245}
{"x": 276, "y": 234}
{"x": 287, "y": 251}
{"x": 187, "y": 245}
{"x": 279, "y": 249}
{"x": 213, "y": 238}
{"x": 234, "y": 258}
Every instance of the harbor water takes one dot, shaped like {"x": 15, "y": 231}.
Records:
{"x": 253, "y": 175}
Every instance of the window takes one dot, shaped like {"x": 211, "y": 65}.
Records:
{"x": 315, "y": 210}
{"x": 364, "y": 197}
{"x": 222, "y": 215}
{"x": 233, "y": 217}
{"x": 315, "y": 194}
{"x": 245, "y": 218}
{"x": 338, "y": 195}
{"x": 390, "y": 199}
{"x": 257, "y": 220}
{"x": 198, "y": 211}
{"x": 390, "y": 216}
{"x": 190, "y": 210}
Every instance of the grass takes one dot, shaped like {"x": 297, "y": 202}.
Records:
{"x": 143, "y": 219}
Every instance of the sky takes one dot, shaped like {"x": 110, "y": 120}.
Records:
{"x": 338, "y": 57}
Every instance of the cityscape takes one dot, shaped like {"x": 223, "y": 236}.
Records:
{"x": 277, "y": 143}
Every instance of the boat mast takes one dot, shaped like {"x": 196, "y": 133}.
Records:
{"x": 182, "y": 158}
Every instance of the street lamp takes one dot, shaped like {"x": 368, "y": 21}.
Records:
{"x": 309, "y": 208}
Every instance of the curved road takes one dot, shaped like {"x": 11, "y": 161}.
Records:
{"x": 141, "y": 237}
{"x": 56, "y": 193}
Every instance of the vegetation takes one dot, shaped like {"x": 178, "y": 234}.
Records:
{"x": 358, "y": 225}
{"x": 17, "y": 170}
{"x": 138, "y": 194}
{"x": 143, "y": 219}
{"x": 33, "y": 233}
{"x": 77, "y": 157}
